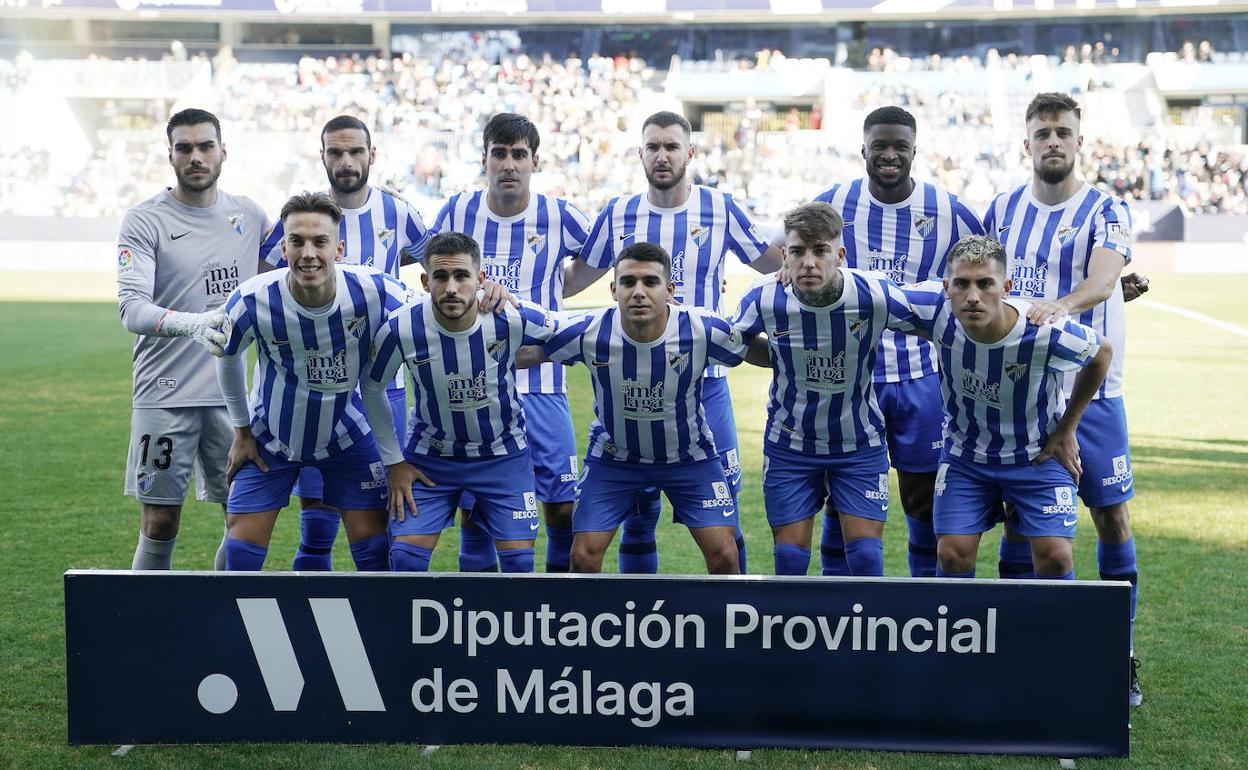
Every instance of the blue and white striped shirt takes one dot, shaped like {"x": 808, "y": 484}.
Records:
{"x": 1049, "y": 248}
{"x": 822, "y": 401}
{"x": 1003, "y": 400}
{"x": 648, "y": 395}
{"x": 524, "y": 253}
{"x": 908, "y": 242}
{"x": 463, "y": 383}
{"x": 304, "y": 403}
{"x": 696, "y": 235}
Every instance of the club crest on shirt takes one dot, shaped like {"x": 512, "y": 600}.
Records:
{"x": 1066, "y": 234}
{"x": 125, "y": 260}
{"x": 924, "y": 225}
{"x": 858, "y": 327}
{"x": 386, "y": 236}
{"x": 699, "y": 234}
{"x": 536, "y": 242}
{"x": 497, "y": 350}
{"x": 1015, "y": 371}
{"x": 355, "y": 327}
{"x": 678, "y": 361}
{"x": 238, "y": 222}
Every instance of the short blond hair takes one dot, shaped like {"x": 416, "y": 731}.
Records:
{"x": 976, "y": 250}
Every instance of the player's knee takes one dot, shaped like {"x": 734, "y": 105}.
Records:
{"x": 723, "y": 560}
{"x": 160, "y": 522}
{"x": 955, "y": 555}
{"x": 586, "y": 557}
{"x": 1053, "y": 557}
{"x": 1113, "y": 525}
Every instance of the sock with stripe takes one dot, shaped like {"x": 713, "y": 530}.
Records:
{"x": 832, "y": 546}
{"x": 922, "y": 553}
{"x": 639, "y": 552}
{"x": 1117, "y": 562}
{"x": 476, "y": 550}
{"x": 1015, "y": 563}
{"x": 241, "y": 556}
{"x": 318, "y": 529}
{"x": 558, "y": 549}
{"x": 865, "y": 556}
{"x": 372, "y": 554}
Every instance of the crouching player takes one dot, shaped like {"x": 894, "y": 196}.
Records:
{"x": 311, "y": 323}
{"x": 646, "y": 360}
{"x": 468, "y": 431}
{"x": 1009, "y": 432}
{"x": 825, "y": 432}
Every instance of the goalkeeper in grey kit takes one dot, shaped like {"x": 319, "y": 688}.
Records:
{"x": 179, "y": 255}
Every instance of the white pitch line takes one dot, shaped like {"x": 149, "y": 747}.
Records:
{"x": 1208, "y": 320}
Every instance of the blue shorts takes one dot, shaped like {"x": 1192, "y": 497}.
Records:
{"x": 354, "y": 480}
{"x": 698, "y": 492}
{"x": 717, "y": 406}
{"x": 796, "y": 486}
{"x": 1103, "y": 452}
{"x": 503, "y": 486}
{"x": 310, "y": 485}
{"x": 969, "y": 496}
{"x": 914, "y": 421}
{"x": 552, "y": 445}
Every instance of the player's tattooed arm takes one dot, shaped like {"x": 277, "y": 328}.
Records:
{"x": 1133, "y": 285}
{"x": 1062, "y": 444}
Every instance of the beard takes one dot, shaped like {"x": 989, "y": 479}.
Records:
{"x": 903, "y": 176}
{"x": 676, "y": 179}
{"x": 1051, "y": 175}
{"x": 187, "y": 182}
{"x": 347, "y": 185}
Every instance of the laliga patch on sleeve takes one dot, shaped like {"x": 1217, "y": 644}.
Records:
{"x": 125, "y": 260}
{"x": 1118, "y": 230}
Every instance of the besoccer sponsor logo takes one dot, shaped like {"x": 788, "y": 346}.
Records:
{"x": 328, "y": 371}
{"x": 466, "y": 391}
{"x": 825, "y": 373}
{"x": 734, "y": 461}
{"x": 723, "y": 498}
{"x": 641, "y": 402}
{"x": 881, "y": 490}
{"x": 894, "y": 265}
{"x": 1122, "y": 474}
{"x": 924, "y": 225}
{"x": 125, "y": 260}
{"x": 1030, "y": 280}
{"x": 378, "y": 472}
{"x": 571, "y": 474}
{"x": 1063, "y": 502}
{"x": 979, "y": 389}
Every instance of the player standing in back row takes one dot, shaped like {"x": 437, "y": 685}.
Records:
{"x": 698, "y": 227}
{"x": 903, "y": 229}
{"x": 1067, "y": 243}
{"x": 179, "y": 255}
{"x": 525, "y": 240}
{"x": 380, "y": 230}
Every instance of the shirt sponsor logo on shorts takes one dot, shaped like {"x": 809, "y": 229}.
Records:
{"x": 723, "y": 498}
{"x": 570, "y": 476}
{"x": 734, "y": 462}
{"x": 1122, "y": 474}
{"x": 881, "y": 490}
{"x": 1064, "y": 502}
{"x": 530, "y": 509}
{"x": 378, "y": 472}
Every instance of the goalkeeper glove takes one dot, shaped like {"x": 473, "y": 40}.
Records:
{"x": 204, "y": 328}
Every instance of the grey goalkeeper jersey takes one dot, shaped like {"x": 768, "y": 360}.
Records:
{"x": 171, "y": 256}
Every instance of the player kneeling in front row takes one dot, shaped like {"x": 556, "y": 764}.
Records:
{"x": 825, "y": 431}
{"x": 467, "y": 423}
{"x": 312, "y": 323}
{"x": 646, "y": 358}
{"x": 1010, "y": 435}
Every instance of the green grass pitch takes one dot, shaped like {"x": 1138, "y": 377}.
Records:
{"x": 64, "y": 415}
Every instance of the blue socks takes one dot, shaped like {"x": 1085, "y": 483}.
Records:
{"x": 516, "y": 560}
{"x": 406, "y": 557}
{"x": 639, "y": 553}
{"x": 922, "y": 547}
{"x": 741, "y": 561}
{"x": 318, "y": 528}
{"x": 865, "y": 556}
{"x": 476, "y": 550}
{"x": 1116, "y": 561}
{"x": 832, "y": 546}
{"x": 241, "y": 556}
{"x": 792, "y": 559}
{"x": 941, "y": 573}
{"x": 372, "y": 554}
{"x": 1015, "y": 563}
{"x": 558, "y": 549}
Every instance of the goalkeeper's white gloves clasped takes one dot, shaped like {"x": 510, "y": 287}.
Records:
{"x": 204, "y": 328}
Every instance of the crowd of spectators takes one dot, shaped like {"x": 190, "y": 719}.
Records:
{"x": 427, "y": 112}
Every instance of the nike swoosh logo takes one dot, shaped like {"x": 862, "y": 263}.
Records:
{"x": 626, "y": 236}
{"x": 1128, "y": 485}
{"x": 1002, "y": 229}
{"x": 173, "y": 237}
{"x": 420, "y": 361}
{"x": 602, "y": 363}
{"x": 533, "y": 527}
{"x": 728, "y": 513}
{"x": 780, "y": 334}
{"x": 1069, "y": 522}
